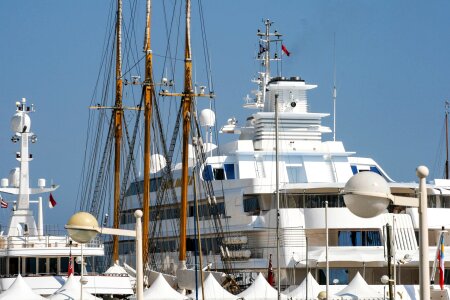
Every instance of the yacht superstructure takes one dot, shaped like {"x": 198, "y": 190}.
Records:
{"x": 312, "y": 170}
{"x": 40, "y": 257}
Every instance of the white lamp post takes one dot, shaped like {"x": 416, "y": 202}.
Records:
{"x": 83, "y": 227}
{"x": 384, "y": 280}
{"x": 367, "y": 195}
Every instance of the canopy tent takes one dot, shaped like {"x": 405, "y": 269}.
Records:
{"x": 161, "y": 289}
{"x": 359, "y": 289}
{"x": 116, "y": 269}
{"x": 260, "y": 289}
{"x": 308, "y": 284}
{"x": 71, "y": 290}
{"x": 20, "y": 290}
{"x": 213, "y": 290}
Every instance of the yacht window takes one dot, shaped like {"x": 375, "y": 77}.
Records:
{"x": 354, "y": 169}
{"x": 13, "y": 265}
{"x": 294, "y": 173}
{"x": 375, "y": 170}
{"x": 251, "y": 205}
{"x": 64, "y": 264}
{"x": 359, "y": 238}
{"x": 207, "y": 173}
{"x": 445, "y": 201}
{"x": 335, "y": 273}
{"x": 311, "y": 200}
{"x": 219, "y": 174}
{"x": 3, "y": 265}
{"x": 432, "y": 203}
{"x": 340, "y": 274}
{"x": 30, "y": 265}
{"x": 42, "y": 265}
{"x": 53, "y": 265}
{"x": 229, "y": 170}
{"x": 76, "y": 268}
{"x": 205, "y": 211}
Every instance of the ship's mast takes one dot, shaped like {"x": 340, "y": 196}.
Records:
{"x": 447, "y": 104}
{"x": 148, "y": 97}
{"x": 22, "y": 220}
{"x": 118, "y": 116}
{"x": 187, "y": 104}
{"x": 265, "y": 39}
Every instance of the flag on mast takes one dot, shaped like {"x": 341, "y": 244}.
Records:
{"x": 51, "y": 201}
{"x": 285, "y": 50}
{"x": 3, "y": 203}
{"x": 441, "y": 262}
{"x": 70, "y": 268}
{"x": 270, "y": 275}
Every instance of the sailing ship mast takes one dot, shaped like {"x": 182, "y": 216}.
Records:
{"x": 118, "y": 116}
{"x": 148, "y": 98}
{"x": 186, "y": 114}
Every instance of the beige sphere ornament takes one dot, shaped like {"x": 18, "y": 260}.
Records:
{"x": 367, "y": 194}
{"x": 322, "y": 295}
{"x": 82, "y": 227}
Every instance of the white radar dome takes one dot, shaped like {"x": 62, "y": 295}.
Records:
{"x": 13, "y": 177}
{"x": 157, "y": 163}
{"x": 20, "y": 122}
{"x": 207, "y": 118}
{"x": 367, "y": 194}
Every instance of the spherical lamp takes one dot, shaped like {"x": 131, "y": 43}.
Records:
{"x": 82, "y": 227}
{"x": 367, "y": 194}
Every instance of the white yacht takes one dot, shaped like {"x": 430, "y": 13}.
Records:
{"x": 42, "y": 258}
{"x": 236, "y": 205}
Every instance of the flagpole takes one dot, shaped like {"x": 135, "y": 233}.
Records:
{"x": 439, "y": 258}
{"x": 278, "y": 197}
{"x": 40, "y": 219}
{"x": 441, "y": 262}
{"x": 326, "y": 250}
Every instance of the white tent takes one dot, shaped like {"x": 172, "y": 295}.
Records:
{"x": 213, "y": 290}
{"x": 313, "y": 289}
{"x": 19, "y": 290}
{"x": 260, "y": 289}
{"x": 71, "y": 290}
{"x": 359, "y": 289}
{"x": 116, "y": 269}
{"x": 161, "y": 289}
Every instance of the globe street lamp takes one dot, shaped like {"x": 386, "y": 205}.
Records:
{"x": 83, "y": 227}
{"x": 367, "y": 195}
{"x": 384, "y": 280}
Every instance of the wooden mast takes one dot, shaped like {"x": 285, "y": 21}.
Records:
{"x": 187, "y": 103}
{"x": 148, "y": 97}
{"x": 118, "y": 116}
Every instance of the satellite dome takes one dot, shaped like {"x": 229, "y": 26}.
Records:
{"x": 207, "y": 118}
{"x": 14, "y": 177}
{"x": 157, "y": 163}
{"x": 20, "y": 122}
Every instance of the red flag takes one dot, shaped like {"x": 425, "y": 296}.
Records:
{"x": 285, "y": 50}
{"x": 51, "y": 202}
{"x": 70, "y": 270}
{"x": 270, "y": 275}
{"x": 3, "y": 203}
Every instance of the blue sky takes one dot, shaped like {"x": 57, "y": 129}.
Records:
{"x": 392, "y": 64}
